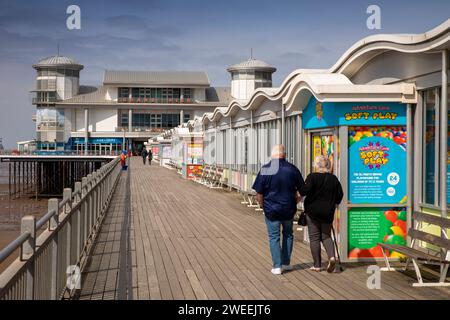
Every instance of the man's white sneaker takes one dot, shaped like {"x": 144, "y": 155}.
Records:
{"x": 287, "y": 268}
{"x": 276, "y": 271}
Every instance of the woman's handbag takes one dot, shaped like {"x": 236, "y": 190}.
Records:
{"x": 302, "y": 219}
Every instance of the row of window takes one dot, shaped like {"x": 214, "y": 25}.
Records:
{"x": 152, "y": 120}
{"x": 46, "y": 96}
{"x": 58, "y": 72}
{"x": 251, "y": 75}
{"x": 46, "y": 84}
{"x": 430, "y": 150}
{"x": 155, "y": 93}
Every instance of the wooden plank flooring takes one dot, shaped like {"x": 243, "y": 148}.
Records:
{"x": 186, "y": 241}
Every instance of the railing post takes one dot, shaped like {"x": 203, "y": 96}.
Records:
{"x": 101, "y": 186}
{"x": 67, "y": 194}
{"x": 95, "y": 197}
{"x": 78, "y": 218}
{"x": 84, "y": 210}
{"x": 90, "y": 207}
{"x": 53, "y": 224}
{"x": 27, "y": 253}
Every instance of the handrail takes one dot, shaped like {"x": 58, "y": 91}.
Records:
{"x": 47, "y": 261}
{"x": 13, "y": 246}
{"x": 44, "y": 219}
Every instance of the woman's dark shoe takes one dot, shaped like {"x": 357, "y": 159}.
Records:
{"x": 331, "y": 265}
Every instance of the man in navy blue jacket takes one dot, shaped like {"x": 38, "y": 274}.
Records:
{"x": 277, "y": 186}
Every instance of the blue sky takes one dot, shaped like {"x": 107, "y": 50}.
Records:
{"x": 206, "y": 35}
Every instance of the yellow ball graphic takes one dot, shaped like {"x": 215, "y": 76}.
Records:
{"x": 400, "y": 256}
{"x": 397, "y": 231}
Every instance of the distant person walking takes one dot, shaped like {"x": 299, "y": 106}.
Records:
{"x": 277, "y": 186}
{"x": 144, "y": 155}
{"x": 150, "y": 156}
{"x": 123, "y": 158}
{"x": 323, "y": 193}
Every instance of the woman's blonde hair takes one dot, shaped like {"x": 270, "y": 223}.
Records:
{"x": 322, "y": 164}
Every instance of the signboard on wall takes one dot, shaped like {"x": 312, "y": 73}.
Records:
{"x": 194, "y": 153}
{"x": 98, "y": 140}
{"x": 328, "y": 114}
{"x": 367, "y": 227}
{"x": 377, "y": 165}
{"x": 167, "y": 152}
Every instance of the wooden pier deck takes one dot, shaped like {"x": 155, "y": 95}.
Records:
{"x": 169, "y": 238}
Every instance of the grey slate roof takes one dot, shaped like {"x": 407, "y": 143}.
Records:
{"x": 89, "y": 95}
{"x": 158, "y": 78}
{"x": 219, "y": 94}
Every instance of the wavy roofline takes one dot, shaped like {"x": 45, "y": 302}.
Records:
{"x": 297, "y": 80}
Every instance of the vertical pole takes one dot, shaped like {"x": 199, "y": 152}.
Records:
{"x": 86, "y": 130}
{"x": 18, "y": 178}
{"x": 300, "y": 147}
{"x": 123, "y": 140}
{"x": 10, "y": 182}
{"x": 14, "y": 193}
{"x": 94, "y": 198}
{"x": 36, "y": 179}
{"x": 231, "y": 155}
{"x": 53, "y": 224}
{"x": 283, "y": 124}
{"x": 23, "y": 176}
{"x": 130, "y": 120}
{"x": 27, "y": 164}
{"x": 27, "y": 253}
{"x": 409, "y": 162}
{"x": 84, "y": 211}
{"x": 77, "y": 199}
{"x": 67, "y": 194}
{"x": 444, "y": 138}
{"x": 252, "y": 151}
{"x": 63, "y": 168}
{"x": 215, "y": 143}
{"x": 90, "y": 204}
{"x": 181, "y": 116}
{"x": 343, "y": 207}
{"x": 100, "y": 190}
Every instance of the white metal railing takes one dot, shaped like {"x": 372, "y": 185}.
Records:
{"x": 66, "y": 232}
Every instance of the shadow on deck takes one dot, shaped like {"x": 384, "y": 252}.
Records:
{"x": 169, "y": 238}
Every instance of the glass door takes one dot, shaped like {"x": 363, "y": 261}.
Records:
{"x": 323, "y": 143}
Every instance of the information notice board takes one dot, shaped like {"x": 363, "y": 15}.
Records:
{"x": 377, "y": 165}
{"x": 367, "y": 227}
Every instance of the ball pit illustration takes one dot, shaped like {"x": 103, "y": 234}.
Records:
{"x": 397, "y": 134}
{"x": 395, "y": 233}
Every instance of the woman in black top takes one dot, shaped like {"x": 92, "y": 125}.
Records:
{"x": 323, "y": 193}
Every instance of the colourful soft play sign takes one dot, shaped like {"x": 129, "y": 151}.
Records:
{"x": 328, "y": 114}
{"x": 377, "y": 168}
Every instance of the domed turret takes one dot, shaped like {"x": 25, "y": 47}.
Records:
{"x": 248, "y": 76}
{"x": 58, "y": 78}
